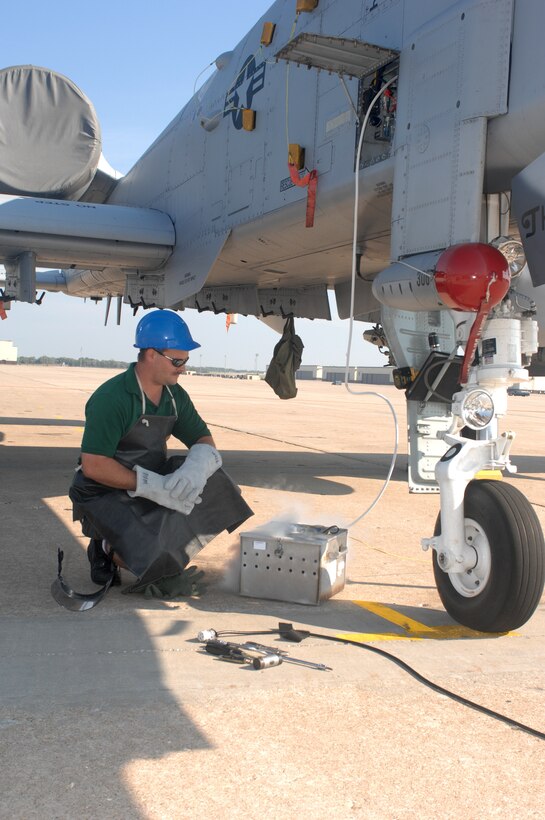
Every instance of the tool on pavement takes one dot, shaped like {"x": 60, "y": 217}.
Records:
{"x": 260, "y": 656}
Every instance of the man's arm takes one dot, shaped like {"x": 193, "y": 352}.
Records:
{"x": 111, "y": 473}
{"x": 206, "y": 440}
{"x": 108, "y": 471}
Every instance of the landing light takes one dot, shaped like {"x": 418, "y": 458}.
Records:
{"x": 513, "y": 251}
{"x": 477, "y": 409}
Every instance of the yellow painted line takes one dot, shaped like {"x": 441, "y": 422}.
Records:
{"x": 442, "y": 633}
{"x": 373, "y": 637}
{"x": 395, "y": 617}
{"x": 412, "y": 630}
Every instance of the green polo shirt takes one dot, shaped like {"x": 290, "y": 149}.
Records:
{"x": 116, "y": 405}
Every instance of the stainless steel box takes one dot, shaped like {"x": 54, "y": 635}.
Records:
{"x": 304, "y": 564}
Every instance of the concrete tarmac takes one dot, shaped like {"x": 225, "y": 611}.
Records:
{"x": 117, "y": 713}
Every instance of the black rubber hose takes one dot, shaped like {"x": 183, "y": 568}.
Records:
{"x": 436, "y": 688}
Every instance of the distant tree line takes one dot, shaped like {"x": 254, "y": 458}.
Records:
{"x": 83, "y": 361}
{"x": 67, "y": 362}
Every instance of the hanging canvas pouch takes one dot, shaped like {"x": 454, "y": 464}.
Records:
{"x": 286, "y": 360}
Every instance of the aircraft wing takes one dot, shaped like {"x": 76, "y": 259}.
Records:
{"x": 60, "y": 233}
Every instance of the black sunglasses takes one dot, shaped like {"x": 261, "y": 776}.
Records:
{"x": 175, "y": 362}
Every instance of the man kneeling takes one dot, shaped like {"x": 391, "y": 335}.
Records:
{"x": 143, "y": 510}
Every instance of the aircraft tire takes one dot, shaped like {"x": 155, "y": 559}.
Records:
{"x": 504, "y": 588}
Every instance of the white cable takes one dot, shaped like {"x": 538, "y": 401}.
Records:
{"x": 352, "y": 300}
{"x": 412, "y": 267}
{"x": 200, "y": 75}
{"x": 290, "y": 38}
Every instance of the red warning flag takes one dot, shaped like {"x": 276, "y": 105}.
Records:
{"x": 310, "y": 179}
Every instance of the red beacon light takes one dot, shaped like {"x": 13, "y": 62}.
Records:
{"x": 471, "y": 276}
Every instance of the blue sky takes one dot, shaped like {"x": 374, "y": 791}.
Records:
{"x": 138, "y": 62}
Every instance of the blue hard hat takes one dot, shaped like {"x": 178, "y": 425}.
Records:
{"x": 164, "y": 330}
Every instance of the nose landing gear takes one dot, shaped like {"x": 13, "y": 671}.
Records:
{"x": 502, "y": 590}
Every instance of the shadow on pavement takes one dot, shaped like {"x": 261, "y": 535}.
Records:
{"x": 307, "y": 473}
{"x": 82, "y": 695}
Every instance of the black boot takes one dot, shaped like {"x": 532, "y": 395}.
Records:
{"x": 102, "y": 566}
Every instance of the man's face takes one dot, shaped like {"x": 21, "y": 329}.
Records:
{"x": 168, "y": 371}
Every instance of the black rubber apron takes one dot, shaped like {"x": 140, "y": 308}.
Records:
{"x": 153, "y": 541}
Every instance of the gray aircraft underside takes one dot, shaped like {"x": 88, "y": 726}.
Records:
{"x": 209, "y": 216}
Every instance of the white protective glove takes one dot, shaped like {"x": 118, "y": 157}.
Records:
{"x": 189, "y": 480}
{"x": 151, "y": 485}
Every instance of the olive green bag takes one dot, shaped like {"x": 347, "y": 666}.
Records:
{"x": 285, "y": 362}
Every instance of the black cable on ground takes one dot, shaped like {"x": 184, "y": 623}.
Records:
{"x": 436, "y": 688}
{"x": 405, "y": 666}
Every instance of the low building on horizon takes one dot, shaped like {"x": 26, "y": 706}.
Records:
{"x": 8, "y": 352}
{"x": 336, "y": 375}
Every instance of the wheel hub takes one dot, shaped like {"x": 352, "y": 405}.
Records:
{"x": 473, "y": 580}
